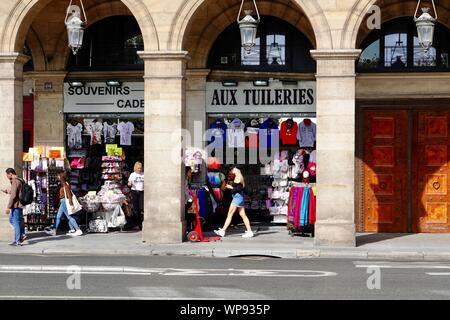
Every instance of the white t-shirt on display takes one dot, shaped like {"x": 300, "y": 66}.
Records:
{"x": 109, "y": 131}
{"x": 95, "y": 130}
{"x": 236, "y": 134}
{"x": 125, "y": 129}
{"x": 137, "y": 181}
{"x": 74, "y": 136}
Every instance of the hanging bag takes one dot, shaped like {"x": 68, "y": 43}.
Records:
{"x": 76, "y": 205}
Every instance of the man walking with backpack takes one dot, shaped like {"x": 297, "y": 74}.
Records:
{"x": 14, "y": 207}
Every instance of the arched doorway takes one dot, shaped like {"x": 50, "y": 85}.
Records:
{"x": 403, "y": 128}
{"x": 41, "y": 25}
{"x": 218, "y": 64}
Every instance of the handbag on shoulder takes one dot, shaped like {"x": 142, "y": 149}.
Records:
{"x": 76, "y": 207}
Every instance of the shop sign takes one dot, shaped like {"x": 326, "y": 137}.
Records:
{"x": 97, "y": 97}
{"x": 247, "y": 98}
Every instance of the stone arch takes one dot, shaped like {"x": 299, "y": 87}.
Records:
{"x": 21, "y": 17}
{"x": 355, "y": 29}
{"x": 192, "y": 9}
{"x": 37, "y": 51}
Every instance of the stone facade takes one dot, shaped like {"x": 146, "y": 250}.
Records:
{"x": 178, "y": 35}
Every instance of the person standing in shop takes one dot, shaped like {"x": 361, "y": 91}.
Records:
{"x": 14, "y": 207}
{"x": 65, "y": 191}
{"x": 136, "y": 183}
{"x": 237, "y": 204}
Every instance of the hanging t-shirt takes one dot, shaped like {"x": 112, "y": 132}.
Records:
{"x": 288, "y": 134}
{"x": 313, "y": 156}
{"x": 126, "y": 129}
{"x": 268, "y": 130}
{"x": 110, "y": 131}
{"x": 74, "y": 136}
{"x": 236, "y": 134}
{"x": 95, "y": 130}
{"x": 306, "y": 134}
{"x": 218, "y": 131}
{"x": 137, "y": 181}
{"x": 252, "y": 132}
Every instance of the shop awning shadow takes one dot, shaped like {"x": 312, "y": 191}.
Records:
{"x": 368, "y": 238}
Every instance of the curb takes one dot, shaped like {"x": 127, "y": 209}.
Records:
{"x": 300, "y": 254}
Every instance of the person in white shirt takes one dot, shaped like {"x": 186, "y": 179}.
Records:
{"x": 136, "y": 183}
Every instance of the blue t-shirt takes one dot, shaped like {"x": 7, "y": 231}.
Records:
{"x": 219, "y": 131}
{"x": 268, "y": 130}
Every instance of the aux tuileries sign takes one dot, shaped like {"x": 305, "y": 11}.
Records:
{"x": 97, "y": 97}
{"x": 299, "y": 97}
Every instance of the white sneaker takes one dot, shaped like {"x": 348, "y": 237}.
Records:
{"x": 50, "y": 232}
{"x": 220, "y": 232}
{"x": 248, "y": 234}
{"x": 76, "y": 233}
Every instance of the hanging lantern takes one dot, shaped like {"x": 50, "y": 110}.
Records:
{"x": 75, "y": 26}
{"x": 425, "y": 26}
{"x": 249, "y": 27}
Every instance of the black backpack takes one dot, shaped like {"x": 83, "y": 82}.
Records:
{"x": 27, "y": 194}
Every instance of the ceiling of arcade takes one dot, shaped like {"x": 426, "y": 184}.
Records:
{"x": 212, "y": 17}
{"x": 47, "y": 37}
{"x": 391, "y": 9}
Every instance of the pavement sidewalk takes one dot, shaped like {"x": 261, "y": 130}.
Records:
{"x": 271, "y": 241}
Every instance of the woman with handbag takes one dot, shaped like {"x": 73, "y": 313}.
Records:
{"x": 66, "y": 199}
{"x": 237, "y": 204}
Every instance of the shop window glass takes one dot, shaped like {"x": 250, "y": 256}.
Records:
{"x": 252, "y": 57}
{"x": 276, "y": 49}
{"x": 370, "y": 57}
{"x": 420, "y": 58}
{"x": 102, "y": 51}
{"x": 396, "y": 47}
{"x": 396, "y": 50}
{"x": 277, "y": 44}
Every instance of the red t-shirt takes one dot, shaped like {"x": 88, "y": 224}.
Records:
{"x": 289, "y": 134}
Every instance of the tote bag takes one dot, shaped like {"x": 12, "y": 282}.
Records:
{"x": 76, "y": 205}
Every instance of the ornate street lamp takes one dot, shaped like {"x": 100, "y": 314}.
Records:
{"x": 425, "y": 26}
{"x": 249, "y": 27}
{"x": 75, "y": 26}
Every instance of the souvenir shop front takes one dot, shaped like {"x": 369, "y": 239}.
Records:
{"x": 104, "y": 128}
{"x": 269, "y": 133}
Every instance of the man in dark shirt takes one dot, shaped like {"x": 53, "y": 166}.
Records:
{"x": 14, "y": 207}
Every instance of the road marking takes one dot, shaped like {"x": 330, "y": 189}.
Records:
{"x": 222, "y": 293}
{"x": 99, "y": 298}
{"x": 101, "y": 270}
{"x": 438, "y": 274}
{"x": 400, "y": 265}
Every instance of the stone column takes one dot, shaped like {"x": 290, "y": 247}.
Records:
{"x": 164, "y": 175}
{"x": 335, "y": 147}
{"x": 48, "y": 108}
{"x": 195, "y": 116}
{"x": 11, "y": 124}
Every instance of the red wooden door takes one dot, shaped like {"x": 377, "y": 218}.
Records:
{"x": 385, "y": 171}
{"x": 431, "y": 172}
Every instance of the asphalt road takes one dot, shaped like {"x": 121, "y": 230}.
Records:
{"x": 248, "y": 278}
